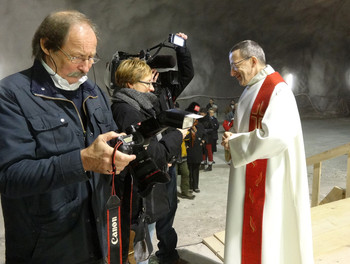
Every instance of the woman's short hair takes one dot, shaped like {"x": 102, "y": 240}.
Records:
{"x": 54, "y": 29}
{"x": 131, "y": 71}
{"x": 250, "y": 48}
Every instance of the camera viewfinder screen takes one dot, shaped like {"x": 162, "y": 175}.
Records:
{"x": 179, "y": 41}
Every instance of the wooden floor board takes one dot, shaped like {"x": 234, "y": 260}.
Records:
{"x": 331, "y": 234}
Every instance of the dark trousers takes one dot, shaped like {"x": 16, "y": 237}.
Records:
{"x": 194, "y": 175}
{"x": 166, "y": 234}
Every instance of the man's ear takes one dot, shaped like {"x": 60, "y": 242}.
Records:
{"x": 255, "y": 60}
{"x": 130, "y": 85}
{"x": 43, "y": 46}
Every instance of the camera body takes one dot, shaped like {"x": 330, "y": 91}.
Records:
{"x": 126, "y": 144}
{"x": 144, "y": 170}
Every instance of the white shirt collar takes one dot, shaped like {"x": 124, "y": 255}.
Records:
{"x": 261, "y": 75}
{"x": 63, "y": 83}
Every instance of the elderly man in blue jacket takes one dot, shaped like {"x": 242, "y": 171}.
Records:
{"x": 56, "y": 160}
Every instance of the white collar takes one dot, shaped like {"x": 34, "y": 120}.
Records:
{"x": 63, "y": 83}
{"x": 261, "y": 75}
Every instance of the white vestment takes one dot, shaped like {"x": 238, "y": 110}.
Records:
{"x": 287, "y": 234}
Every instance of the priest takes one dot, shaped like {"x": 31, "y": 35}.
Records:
{"x": 268, "y": 210}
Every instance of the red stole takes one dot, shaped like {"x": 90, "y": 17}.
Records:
{"x": 255, "y": 180}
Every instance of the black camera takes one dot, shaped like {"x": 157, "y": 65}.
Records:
{"x": 143, "y": 168}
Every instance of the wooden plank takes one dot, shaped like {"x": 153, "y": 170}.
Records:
{"x": 335, "y": 194}
{"x": 342, "y": 256}
{"x": 220, "y": 236}
{"x": 331, "y": 234}
{"x": 331, "y": 228}
{"x": 347, "y": 193}
{"x": 329, "y": 154}
{"x": 316, "y": 180}
{"x": 216, "y": 246}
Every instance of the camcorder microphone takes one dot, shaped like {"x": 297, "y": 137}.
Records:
{"x": 162, "y": 61}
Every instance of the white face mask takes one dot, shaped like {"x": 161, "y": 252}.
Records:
{"x": 63, "y": 83}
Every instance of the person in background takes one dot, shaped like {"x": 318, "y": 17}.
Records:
{"x": 194, "y": 146}
{"x": 182, "y": 169}
{"x": 56, "y": 156}
{"x": 268, "y": 211}
{"x": 215, "y": 136}
{"x": 229, "y": 115}
{"x": 209, "y": 138}
{"x": 212, "y": 105}
{"x": 230, "y": 111}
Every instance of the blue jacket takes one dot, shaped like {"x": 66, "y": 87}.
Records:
{"x": 54, "y": 211}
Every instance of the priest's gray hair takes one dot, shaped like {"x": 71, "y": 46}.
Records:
{"x": 250, "y": 48}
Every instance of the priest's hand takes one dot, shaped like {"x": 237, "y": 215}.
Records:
{"x": 225, "y": 138}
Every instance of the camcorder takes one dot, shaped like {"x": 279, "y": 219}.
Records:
{"x": 163, "y": 63}
{"x": 143, "y": 168}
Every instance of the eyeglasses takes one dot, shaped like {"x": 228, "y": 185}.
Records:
{"x": 234, "y": 64}
{"x": 148, "y": 83}
{"x": 78, "y": 60}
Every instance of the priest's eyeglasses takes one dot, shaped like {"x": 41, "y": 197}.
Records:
{"x": 78, "y": 60}
{"x": 235, "y": 64}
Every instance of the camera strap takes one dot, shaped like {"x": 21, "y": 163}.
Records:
{"x": 114, "y": 234}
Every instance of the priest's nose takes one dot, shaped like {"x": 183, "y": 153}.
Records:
{"x": 233, "y": 73}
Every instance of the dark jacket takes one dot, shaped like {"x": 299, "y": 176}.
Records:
{"x": 209, "y": 128}
{"x": 215, "y": 123}
{"x": 54, "y": 211}
{"x": 215, "y": 135}
{"x": 195, "y": 144}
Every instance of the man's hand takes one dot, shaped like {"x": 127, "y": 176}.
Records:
{"x": 98, "y": 156}
{"x": 225, "y": 138}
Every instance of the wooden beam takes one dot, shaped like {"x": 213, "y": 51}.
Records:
{"x": 347, "y": 192}
{"x": 316, "y": 184}
{"x": 220, "y": 236}
{"x": 335, "y": 194}
{"x": 216, "y": 246}
{"x": 329, "y": 154}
